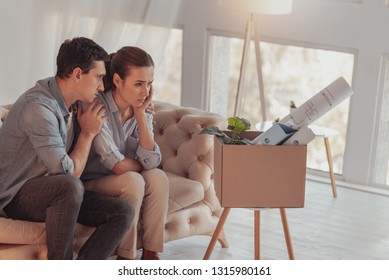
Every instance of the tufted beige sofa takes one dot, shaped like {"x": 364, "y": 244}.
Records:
{"x": 187, "y": 159}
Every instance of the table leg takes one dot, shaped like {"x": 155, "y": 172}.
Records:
{"x": 216, "y": 233}
{"x": 329, "y": 159}
{"x": 257, "y": 238}
{"x": 288, "y": 240}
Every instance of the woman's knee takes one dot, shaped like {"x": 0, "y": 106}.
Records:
{"x": 156, "y": 179}
{"x": 134, "y": 186}
{"x": 133, "y": 178}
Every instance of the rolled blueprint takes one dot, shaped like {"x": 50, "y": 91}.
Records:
{"x": 305, "y": 114}
{"x": 319, "y": 104}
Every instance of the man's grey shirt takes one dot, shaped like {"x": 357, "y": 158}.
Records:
{"x": 33, "y": 139}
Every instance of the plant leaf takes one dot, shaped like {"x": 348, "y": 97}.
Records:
{"x": 218, "y": 133}
{"x": 235, "y": 124}
{"x": 238, "y": 125}
{"x": 247, "y": 124}
{"x": 213, "y": 131}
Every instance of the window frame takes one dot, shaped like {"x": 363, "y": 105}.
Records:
{"x": 293, "y": 43}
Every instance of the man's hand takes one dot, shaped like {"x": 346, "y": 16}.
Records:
{"x": 92, "y": 118}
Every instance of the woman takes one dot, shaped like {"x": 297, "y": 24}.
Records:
{"x": 124, "y": 156}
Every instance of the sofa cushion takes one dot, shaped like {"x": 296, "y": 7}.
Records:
{"x": 183, "y": 192}
{"x": 24, "y": 232}
{"x": 36, "y": 251}
{"x": 21, "y": 232}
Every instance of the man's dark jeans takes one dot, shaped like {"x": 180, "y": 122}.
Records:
{"x": 61, "y": 201}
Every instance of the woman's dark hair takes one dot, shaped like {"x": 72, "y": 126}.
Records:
{"x": 123, "y": 61}
{"x": 78, "y": 52}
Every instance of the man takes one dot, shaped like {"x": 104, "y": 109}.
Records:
{"x": 43, "y": 155}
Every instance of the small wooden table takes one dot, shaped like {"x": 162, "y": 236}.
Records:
{"x": 257, "y": 215}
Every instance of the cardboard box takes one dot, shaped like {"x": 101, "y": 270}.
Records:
{"x": 260, "y": 176}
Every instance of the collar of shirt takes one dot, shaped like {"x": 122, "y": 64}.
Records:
{"x": 57, "y": 94}
{"x": 112, "y": 107}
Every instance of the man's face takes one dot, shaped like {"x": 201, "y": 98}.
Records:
{"x": 92, "y": 82}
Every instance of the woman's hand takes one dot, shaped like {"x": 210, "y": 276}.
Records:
{"x": 146, "y": 140}
{"x": 147, "y": 105}
{"x": 151, "y": 109}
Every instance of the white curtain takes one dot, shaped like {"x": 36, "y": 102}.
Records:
{"x": 32, "y": 30}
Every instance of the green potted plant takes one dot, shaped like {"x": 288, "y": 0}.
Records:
{"x": 236, "y": 125}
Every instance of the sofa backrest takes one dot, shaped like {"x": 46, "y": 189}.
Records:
{"x": 186, "y": 152}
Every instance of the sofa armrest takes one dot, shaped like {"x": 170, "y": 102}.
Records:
{"x": 186, "y": 152}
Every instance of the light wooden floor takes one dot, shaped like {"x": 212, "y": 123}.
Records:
{"x": 353, "y": 226}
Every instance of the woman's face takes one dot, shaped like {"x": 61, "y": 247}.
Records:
{"x": 135, "y": 88}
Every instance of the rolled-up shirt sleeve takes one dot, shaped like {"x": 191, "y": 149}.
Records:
{"x": 104, "y": 145}
{"x": 149, "y": 159}
{"x": 43, "y": 128}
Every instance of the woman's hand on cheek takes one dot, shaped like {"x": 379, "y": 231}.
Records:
{"x": 147, "y": 105}
{"x": 147, "y": 102}
{"x": 151, "y": 109}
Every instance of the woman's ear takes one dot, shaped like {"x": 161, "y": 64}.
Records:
{"x": 116, "y": 79}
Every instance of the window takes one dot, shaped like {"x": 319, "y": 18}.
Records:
{"x": 168, "y": 77}
{"x": 290, "y": 73}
